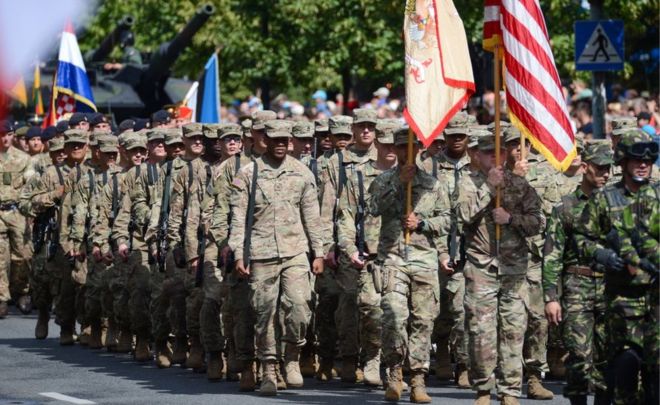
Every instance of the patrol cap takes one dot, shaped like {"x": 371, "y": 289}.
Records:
{"x": 134, "y": 140}
{"x": 458, "y": 124}
{"x": 278, "y": 128}
{"x": 156, "y": 134}
{"x": 340, "y": 125}
{"x": 503, "y": 125}
{"x": 172, "y": 136}
{"x": 598, "y": 152}
{"x": 160, "y": 117}
{"x": 472, "y": 120}
{"x": 6, "y": 127}
{"x": 246, "y": 124}
{"x": 579, "y": 142}
{"x": 486, "y": 143}
{"x": 62, "y": 126}
{"x": 108, "y": 143}
{"x": 211, "y": 130}
{"x": 75, "y": 136}
{"x": 622, "y": 124}
{"x": 48, "y": 133}
{"x": 475, "y": 134}
{"x": 303, "y": 130}
{"x": 56, "y": 144}
{"x": 77, "y": 118}
{"x": 229, "y": 130}
{"x": 321, "y": 125}
{"x": 21, "y": 131}
{"x": 401, "y": 136}
{"x": 365, "y": 115}
{"x": 511, "y": 134}
{"x": 93, "y": 141}
{"x": 97, "y": 118}
{"x": 192, "y": 129}
{"x": 259, "y": 119}
{"x": 385, "y": 130}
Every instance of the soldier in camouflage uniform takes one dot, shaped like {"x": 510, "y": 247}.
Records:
{"x": 410, "y": 287}
{"x": 626, "y": 293}
{"x": 449, "y": 166}
{"x": 340, "y": 166}
{"x": 302, "y": 141}
{"x": 582, "y": 287}
{"x": 14, "y": 233}
{"x": 496, "y": 286}
{"x": 544, "y": 179}
{"x": 357, "y": 236}
{"x": 49, "y": 197}
{"x": 285, "y": 230}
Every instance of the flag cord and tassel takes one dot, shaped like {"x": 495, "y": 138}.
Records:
{"x": 498, "y": 157}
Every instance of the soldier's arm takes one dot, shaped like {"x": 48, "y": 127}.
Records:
{"x": 25, "y": 197}
{"x": 328, "y": 201}
{"x": 440, "y": 221}
{"x": 472, "y": 203}
{"x": 384, "y": 193}
{"x": 530, "y": 221}
{"x": 239, "y": 203}
{"x": 220, "y": 218}
{"x": 81, "y": 208}
{"x": 346, "y": 232}
{"x": 101, "y": 235}
{"x": 120, "y": 234}
{"x": 176, "y": 207}
{"x": 553, "y": 256}
{"x": 190, "y": 240}
{"x": 590, "y": 231}
{"x": 153, "y": 216}
{"x": 46, "y": 194}
{"x": 309, "y": 208}
{"x": 140, "y": 196}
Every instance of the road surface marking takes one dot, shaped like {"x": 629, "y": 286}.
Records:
{"x": 62, "y": 397}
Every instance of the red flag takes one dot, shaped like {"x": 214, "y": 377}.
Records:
{"x": 439, "y": 78}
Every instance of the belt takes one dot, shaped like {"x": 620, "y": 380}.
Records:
{"x": 8, "y": 206}
{"x": 583, "y": 271}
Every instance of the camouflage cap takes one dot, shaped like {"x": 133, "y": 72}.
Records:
{"x": 486, "y": 142}
{"x": 631, "y": 137}
{"x": 155, "y": 135}
{"x": 192, "y": 129}
{"x": 621, "y": 124}
{"x": 259, "y": 119}
{"x": 75, "y": 136}
{"x": 579, "y": 142}
{"x": 211, "y": 130}
{"x": 246, "y": 125}
{"x": 458, "y": 124}
{"x": 22, "y": 131}
{"x": 385, "y": 130}
{"x": 93, "y": 139}
{"x": 303, "y": 129}
{"x": 226, "y": 130}
{"x": 475, "y": 134}
{"x": 401, "y": 136}
{"x": 503, "y": 125}
{"x": 56, "y": 144}
{"x": 108, "y": 143}
{"x": 172, "y": 136}
{"x": 278, "y": 128}
{"x": 321, "y": 125}
{"x": 340, "y": 125}
{"x": 511, "y": 133}
{"x": 135, "y": 140}
{"x": 598, "y": 152}
{"x": 472, "y": 120}
{"x": 364, "y": 115}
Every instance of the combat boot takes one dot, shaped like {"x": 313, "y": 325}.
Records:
{"x": 443, "y": 369}
{"x": 248, "y": 381}
{"x": 324, "y": 373}
{"x": 95, "y": 341}
{"x": 556, "y": 362}
{"x": 394, "y": 384}
{"x": 142, "y": 352}
{"x": 125, "y": 344}
{"x": 112, "y": 337}
{"x": 85, "y": 333}
{"x": 294, "y": 378}
{"x": 483, "y": 398}
{"x": 268, "y": 386}
{"x": 24, "y": 304}
{"x": 418, "y": 393}
{"x": 214, "y": 366}
{"x": 281, "y": 382}
{"x": 509, "y": 400}
{"x": 196, "y": 357}
{"x": 66, "y": 335}
{"x": 4, "y": 309}
{"x": 233, "y": 366}
{"x": 349, "y": 370}
{"x": 578, "y": 399}
{"x": 536, "y": 390}
{"x": 307, "y": 364}
{"x": 163, "y": 354}
{"x": 462, "y": 378}
{"x": 372, "y": 372}
{"x": 180, "y": 354}
{"x": 41, "y": 330}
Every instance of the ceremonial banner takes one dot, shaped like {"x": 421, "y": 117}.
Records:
{"x": 439, "y": 78}
{"x": 36, "y": 91}
{"x": 208, "y": 102}
{"x": 534, "y": 97}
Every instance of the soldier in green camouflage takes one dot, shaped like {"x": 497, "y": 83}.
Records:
{"x": 285, "y": 229}
{"x": 626, "y": 294}
{"x": 496, "y": 285}
{"x": 580, "y": 308}
{"x": 410, "y": 286}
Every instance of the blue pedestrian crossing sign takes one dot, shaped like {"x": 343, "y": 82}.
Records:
{"x": 599, "y": 45}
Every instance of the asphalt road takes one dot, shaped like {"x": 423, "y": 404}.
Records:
{"x": 41, "y": 372}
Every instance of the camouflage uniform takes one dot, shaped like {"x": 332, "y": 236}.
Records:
{"x": 496, "y": 286}
{"x": 411, "y": 292}
{"x": 571, "y": 278}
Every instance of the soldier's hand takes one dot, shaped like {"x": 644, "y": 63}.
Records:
{"x": 495, "y": 177}
{"x": 356, "y": 261}
{"x": 108, "y": 257}
{"x": 632, "y": 270}
{"x": 192, "y": 266}
{"x": 155, "y": 254}
{"x": 446, "y": 266}
{"x": 553, "y": 312}
{"x": 243, "y": 272}
{"x": 410, "y": 222}
{"x": 96, "y": 252}
{"x": 500, "y": 216}
{"x": 609, "y": 259}
{"x": 330, "y": 259}
{"x": 122, "y": 251}
{"x": 521, "y": 168}
{"x": 407, "y": 173}
{"x": 317, "y": 266}
{"x": 58, "y": 192}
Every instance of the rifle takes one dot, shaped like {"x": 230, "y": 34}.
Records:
{"x": 249, "y": 220}
{"x": 360, "y": 217}
{"x": 453, "y": 229}
{"x": 335, "y": 213}
{"x": 53, "y": 232}
{"x": 179, "y": 253}
{"x": 163, "y": 219}
{"x": 41, "y": 228}
{"x": 645, "y": 264}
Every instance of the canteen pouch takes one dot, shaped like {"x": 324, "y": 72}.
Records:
{"x": 376, "y": 276}
{"x": 6, "y": 179}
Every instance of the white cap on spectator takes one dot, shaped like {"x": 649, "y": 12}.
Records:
{"x": 382, "y": 92}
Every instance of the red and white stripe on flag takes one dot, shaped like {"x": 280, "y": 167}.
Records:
{"x": 492, "y": 31}
{"x": 534, "y": 96}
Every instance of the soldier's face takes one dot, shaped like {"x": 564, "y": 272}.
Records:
{"x": 341, "y": 141}
{"x": 324, "y": 140}
{"x": 486, "y": 159}
{"x": 157, "y": 148}
{"x": 456, "y": 144}
{"x": 76, "y": 151}
{"x": 21, "y": 143}
{"x": 435, "y": 147}
{"x": 84, "y": 125}
{"x": 386, "y": 152}
{"x": 259, "y": 140}
{"x": 108, "y": 158}
{"x": 102, "y": 126}
{"x": 137, "y": 155}
{"x": 230, "y": 145}
{"x": 638, "y": 168}
{"x": 35, "y": 145}
{"x": 58, "y": 156}
{"x": 364, "y": 133}
{"x": 277, "y": 147}
{"x": 175, "y": 149}
{"x": 401, "y": 152}
{"x": 596, "y": 175}
{"x": 6, "y": 140}
{"x": 194, "y": 145}
{"x": 301, "y": 147}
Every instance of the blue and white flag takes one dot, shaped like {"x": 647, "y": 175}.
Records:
{"x": 208, "y": 104}
{"x": 72, "y": 78}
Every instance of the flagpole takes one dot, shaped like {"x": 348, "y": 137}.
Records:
{"x": 409, "y": 185}
{"x": 498, "y": 158}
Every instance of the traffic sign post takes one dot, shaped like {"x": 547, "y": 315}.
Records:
{"x": 599, "y": 45}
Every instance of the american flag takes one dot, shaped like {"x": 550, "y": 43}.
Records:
{"x": 534, "y": 96}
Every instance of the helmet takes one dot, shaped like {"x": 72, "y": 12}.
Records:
{"x": 635, "y": 144}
